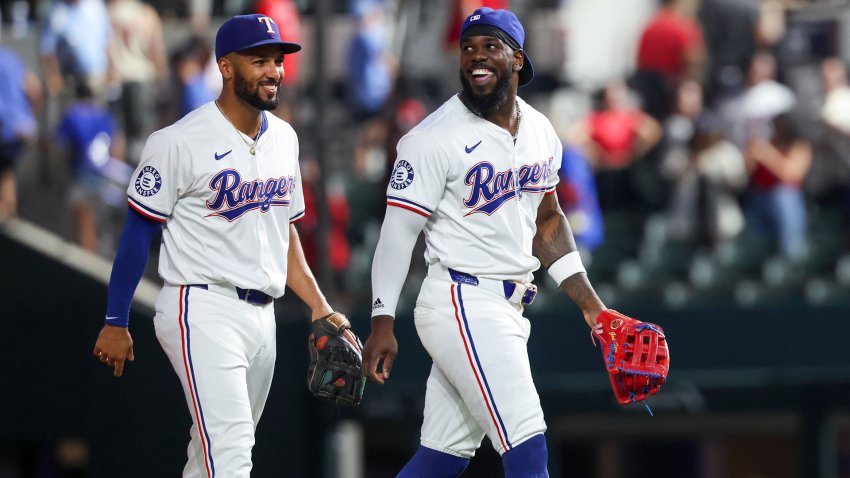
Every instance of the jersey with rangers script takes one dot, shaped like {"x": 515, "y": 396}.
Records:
{"x": 226, "y": 212}
{"x": 479, "y": 190}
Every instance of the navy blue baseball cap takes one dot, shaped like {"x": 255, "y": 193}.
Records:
{"x": 247, "y": 31}
{"x": 507, "y": 22}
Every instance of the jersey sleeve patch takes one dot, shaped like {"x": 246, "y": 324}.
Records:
{"x": 402, "y": 175}
{"x": 409, "y": 205}
{"x": 146, "y": 211}
{"x": 148, "y": 182}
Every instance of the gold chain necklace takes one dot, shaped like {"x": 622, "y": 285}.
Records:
{"x": 252, "y": 148}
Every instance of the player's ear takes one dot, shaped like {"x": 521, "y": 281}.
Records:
{"x": 519, "y": 60}
{"x": 225, "y": 66}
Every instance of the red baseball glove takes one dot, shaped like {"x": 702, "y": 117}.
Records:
{"x": 635, "y": 354}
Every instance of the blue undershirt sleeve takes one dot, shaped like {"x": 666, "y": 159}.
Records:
{"x": 129, "y": 265}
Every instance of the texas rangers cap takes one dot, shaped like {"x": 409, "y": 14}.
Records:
{"x": 247, "y": 31}
{"x": 507, "y": 22}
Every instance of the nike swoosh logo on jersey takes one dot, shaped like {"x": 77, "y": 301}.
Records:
{"x": 219, "y": 156}
{"x": 469, "y": 150}
{"x": 108, "y": 318}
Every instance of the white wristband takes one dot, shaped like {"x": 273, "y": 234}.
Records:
{"x": 565, "y": 267}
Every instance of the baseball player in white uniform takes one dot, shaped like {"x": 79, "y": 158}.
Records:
{"x": 224, "y": 187}
{"x": 478, "y": 176}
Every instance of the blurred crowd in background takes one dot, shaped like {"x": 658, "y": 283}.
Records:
{"x": 706, "y": 143}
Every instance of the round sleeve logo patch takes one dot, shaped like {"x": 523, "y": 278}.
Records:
{"x": 148, "y": 182}
{"x": 402, "y": 175}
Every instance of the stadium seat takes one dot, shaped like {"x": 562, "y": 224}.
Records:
{"x": 740, "y": 258}
{"x": 752, "y": 293}
{"x": 824, "y": 242}
{"x": 623, "y": 233}
{"x": 826, "y": 292}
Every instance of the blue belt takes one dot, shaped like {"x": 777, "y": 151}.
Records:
{"x": 509, "y": 288}
{"x": 250, "y": 296}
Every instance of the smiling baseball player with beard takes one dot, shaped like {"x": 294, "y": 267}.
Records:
{"x": 479, "y": 176}
{"x": 224, "y": 186}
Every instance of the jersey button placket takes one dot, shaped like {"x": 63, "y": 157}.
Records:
{"x": 517, "y": 185}
{"x": 263, "y": 238}
{"x": 520, "y": 208}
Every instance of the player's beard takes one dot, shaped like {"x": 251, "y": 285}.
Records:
{"x": 242, "y": 88}
{"x": 483, "y": 106}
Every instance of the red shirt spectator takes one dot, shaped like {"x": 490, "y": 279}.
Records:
{"x": 784, "y": 159}
{"x": 668, "y": 43}
{"x": 338, "y": 248}
{"x": 617, "y": 132}
{"x": 614, "y": 131}
{"x": 285, "y": 14}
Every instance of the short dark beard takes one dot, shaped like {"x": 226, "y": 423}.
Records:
{"x": 243, "y": 90}
{"x": 484, "y": 106}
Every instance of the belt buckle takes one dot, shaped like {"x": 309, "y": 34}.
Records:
{"x": 520, "y": 292}
{"x": 245, "y": 294}
{"x": 256, "y": 297}
{"x": 530, "y": 294}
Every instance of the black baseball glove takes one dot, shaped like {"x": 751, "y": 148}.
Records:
{"x": 336, "y": 361}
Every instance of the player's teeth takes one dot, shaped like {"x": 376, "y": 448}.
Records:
{"x": 480, "y": 71}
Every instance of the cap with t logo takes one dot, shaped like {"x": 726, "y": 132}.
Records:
{"x": 248, "y": 31}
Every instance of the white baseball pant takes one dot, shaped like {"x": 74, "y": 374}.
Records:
{"x": 223, "y": 350}
{"x": 480, "y": 381}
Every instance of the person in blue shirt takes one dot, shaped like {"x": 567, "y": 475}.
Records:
{"x": 76, "y": 43}
{"x": 88, "y": 133}
{"x": 371, "y": 66}
{"x": 20, "y": 94}
{"x": 579, "y": 201}
{"x": 188, "y": 64}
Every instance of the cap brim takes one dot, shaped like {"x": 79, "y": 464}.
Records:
{"x": 526, "y": 73}
{"x": 285, "y": 47}
{"x": 289, "y": 47}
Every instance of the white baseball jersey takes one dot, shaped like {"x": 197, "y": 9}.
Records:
{"x": 226, "y": 217}
{"x": 226, "y": 212}
{"x": 479, "y": 190}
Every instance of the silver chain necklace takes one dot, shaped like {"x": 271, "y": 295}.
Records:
{"x": 252, "y": 148}
{"x": 518, "y": 120}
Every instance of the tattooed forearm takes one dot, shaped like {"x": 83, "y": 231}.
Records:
{"x": 554, "y": 238}
{"x": 578, "y": 288}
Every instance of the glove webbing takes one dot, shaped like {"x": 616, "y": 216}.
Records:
{"x": 632, "y": 395}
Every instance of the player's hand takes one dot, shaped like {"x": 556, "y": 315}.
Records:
{"x": 113, "y": 346}
{"x": 381, "y": 345}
